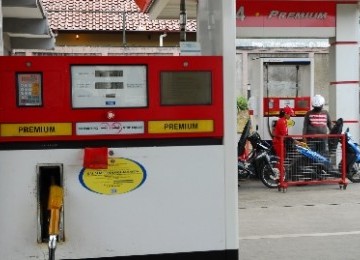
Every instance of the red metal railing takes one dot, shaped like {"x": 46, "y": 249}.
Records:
{"x": 302, "y": 163}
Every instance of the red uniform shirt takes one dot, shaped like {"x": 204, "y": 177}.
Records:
{"x": 281, "y": 129}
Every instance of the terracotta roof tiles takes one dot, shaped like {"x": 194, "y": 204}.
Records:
{"x": 105, "y": 15}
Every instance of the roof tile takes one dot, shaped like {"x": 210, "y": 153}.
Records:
{"x": 105, "y": 15}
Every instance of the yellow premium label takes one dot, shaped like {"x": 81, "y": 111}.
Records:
{"x": 180, "y": 126}
{"x": 300, "y": 112}
{"x": 41, "y": 129}
{"x": 122, "y": 176}
{"x": 272, "y": 113}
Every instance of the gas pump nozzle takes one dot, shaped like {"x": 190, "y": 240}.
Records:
{"x": 55, "y": 204}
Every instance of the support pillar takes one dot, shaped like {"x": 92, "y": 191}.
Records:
{"x": 216, "y": 34}
{"x": 344, "y": 69}
{"x": 1, "y": 32}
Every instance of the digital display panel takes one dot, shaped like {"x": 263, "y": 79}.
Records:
{"x": 109, "y": 73}
{"x": 186, "y": 88}
{"x": 104, "y": 86}
{"x": 29, "y": 89}
{"x": 109, "y": 85}
{"x": 303, "y": 104}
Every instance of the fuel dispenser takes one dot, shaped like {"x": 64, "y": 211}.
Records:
{"x": 112, "y": 157}
{"x": 276, "y": 83}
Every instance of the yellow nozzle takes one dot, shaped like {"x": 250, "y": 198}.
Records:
{"x": 54, "y": 205}
{"x": 55, "y": 197}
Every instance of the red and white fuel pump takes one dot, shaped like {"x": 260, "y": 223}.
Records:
{"x": 120, "y": 154}
{"x": 126, "y": 157}
{"x": 276, "y": 83}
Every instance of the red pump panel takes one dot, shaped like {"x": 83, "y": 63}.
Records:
{"x": 105, "y": 98}
{"x": 272, "y": 105}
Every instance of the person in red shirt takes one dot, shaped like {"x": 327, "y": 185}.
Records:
{"x": 281, "y": 129}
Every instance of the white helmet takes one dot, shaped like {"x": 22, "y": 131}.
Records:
{"x": 318, "y": 101}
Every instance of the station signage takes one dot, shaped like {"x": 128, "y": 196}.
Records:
{"x": 36, "y": 129}
{"x": 110, "y": 128}
{"x": 181, "y": 126}
{"x": 285, "y": 14}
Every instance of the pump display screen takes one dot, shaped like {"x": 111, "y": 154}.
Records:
{"x": 186, "y": 88}
{"x": 29, "y": 89}
{"x": 101, "y": 86}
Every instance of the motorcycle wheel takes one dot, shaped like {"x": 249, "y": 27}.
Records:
{"x": 267, "y": 177}
{"x": 354, "y": 173}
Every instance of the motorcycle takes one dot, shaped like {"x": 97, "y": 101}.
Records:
{"x": 260, "y": 162}
{"x": 352, "y": 158}
{"x": 310, "y": 165}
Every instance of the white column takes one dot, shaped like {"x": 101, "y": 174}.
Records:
{"x": 230, "y": 139}
{"x": 344, "y": 68}
{"x": 1, "y": 31}
{"x": 217, "y": 33}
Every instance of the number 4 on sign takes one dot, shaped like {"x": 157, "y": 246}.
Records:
{"x": 241, "y": 13}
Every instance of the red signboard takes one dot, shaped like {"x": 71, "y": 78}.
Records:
{"x": 285, "y": 13}
{"x": 110, "y": 98}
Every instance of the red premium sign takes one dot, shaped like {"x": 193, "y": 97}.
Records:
{"x": 285, "y": 14}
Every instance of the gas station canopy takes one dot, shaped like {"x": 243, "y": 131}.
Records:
{"x": 25, "y": 25}
{"x": 282, "y": 19}
{"x": 169, "y": 9}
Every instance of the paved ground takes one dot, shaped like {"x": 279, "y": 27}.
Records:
{"x": 312, "y": 222}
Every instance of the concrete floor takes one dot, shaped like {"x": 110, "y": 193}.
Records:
{"x": 312, "y": 222}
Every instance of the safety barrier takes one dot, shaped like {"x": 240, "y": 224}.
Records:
{"x": 312, "y": 159}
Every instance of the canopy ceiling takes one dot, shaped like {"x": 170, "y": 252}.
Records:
{"x": 25, "y": 23}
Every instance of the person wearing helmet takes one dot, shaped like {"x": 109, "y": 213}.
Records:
{"x": 281, "y": 129}
{"x": 317, "y": 121}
